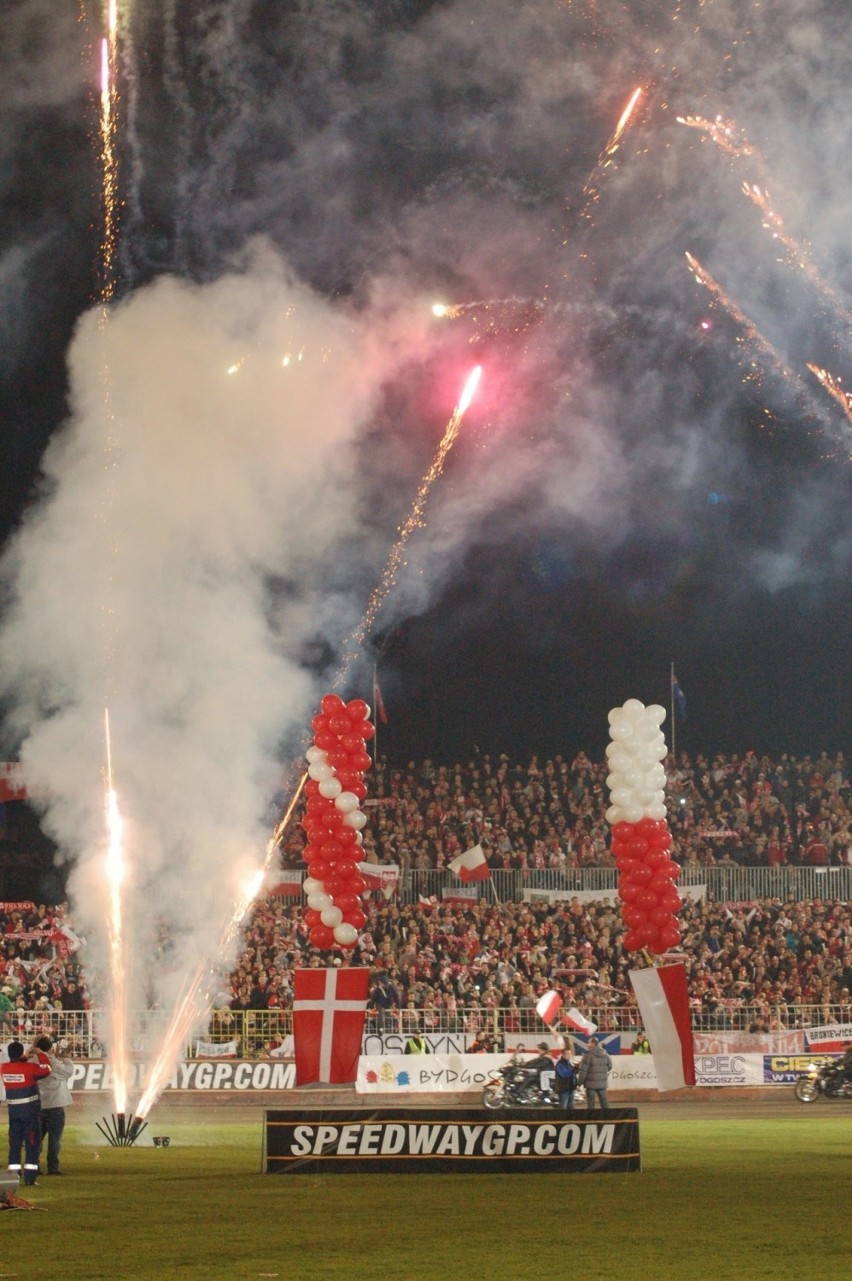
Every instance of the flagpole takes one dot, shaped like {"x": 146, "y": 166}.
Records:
{"x": 375, "y": 717}
{"x": 672, "y": 698}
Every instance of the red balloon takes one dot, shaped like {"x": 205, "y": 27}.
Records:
{"x": 670, "y": 936}
{"x": 662, "y": 841}
{"x": 326, "y": 741}
{"x": 628, "y": 890}
{"x": 641, "y": 874}
{"x": 346, "y": 869}
{"x": 319, "y": 724}
{"x": 352, "y": 742}
{"x": 632, "y": 915}
{"x": 312, "y": 918}
{"x": 347, "y": 901}
{"x": 356, "y": 918}
{"x": 359, "y": 789}
{"x": 333, "y": 821}
{"x": 625, "y": 865}
{"x": 360, "y": 760}
{"x": 647, "y": 827}
{"x": 322, "y": 936}
{"x": 656, "y": 858}
{"x": 347, "y": 778}
{"x": 331, "y": 851}
{"x": 312, "y": 787}
{"x": 660, "y": 883}
{"x": 672, "y": 901}
{"x": 340, "y": 725}
{"x": 310, "y": 853}
{"x": 623, "y": 831}
{"x": 319, "y": 869}
{"x": 332, "y": 705}
{"x": 632, "y": 942}
{"x": 673, "y": 869}
{"x": 661, "y": 916}
{"x": 356, "y": 883}
{"x": 638, "y": 847}
{"x": 316, "y": 805}
{"x": 346, "y": 835}
{"x": 365, "y": 729}
{"x": 647, "y": 900}
{"x": 333, "y": 885}
{"x": 357, "y": 709}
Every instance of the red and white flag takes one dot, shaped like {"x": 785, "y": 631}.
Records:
{"x": 573, "y": 1018}
{"x": 663, "y": 1000}
{"x": 548, "y": 1006}
{"x": 381, "y": 876}
{"x": 287, "y": 882}
{"x": 471, "y": 865}
{"x": 328, "y": 1024}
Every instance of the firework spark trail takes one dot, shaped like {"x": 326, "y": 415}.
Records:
{"x": 109, "y": 163}
{"x": 115, "y": 872}
{"x": 414, "y": 520}
{"x": 753, "y": 336}
{"x": 591, "y": 193}
{"x": 726, "y": 136}
{"x": 193, "y": 1005}
{"x": 834, "y": 388}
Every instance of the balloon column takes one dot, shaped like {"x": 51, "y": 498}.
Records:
{"x": 333, "y": 821}
{"x": 641, "y": 841}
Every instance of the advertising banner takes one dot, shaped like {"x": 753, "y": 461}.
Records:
{"x": 785, "y": 1069}
{"x": 393, "y": 1140}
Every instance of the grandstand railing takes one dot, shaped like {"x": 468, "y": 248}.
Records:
{"x": 722, "y": 884}
{"x": 252, "y": 1034}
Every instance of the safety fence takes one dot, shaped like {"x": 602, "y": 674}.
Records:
{"x": 252, "y": 1034}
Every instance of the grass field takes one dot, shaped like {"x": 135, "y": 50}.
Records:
{"x": 725, "y": 1199}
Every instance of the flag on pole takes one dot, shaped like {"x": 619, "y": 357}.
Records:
{"x": 286, "y": 882}
{"x": 663, "y": 1000}
{"x": 573, "y": 1018}
{"x": 378, "y": 701}
{"x": 678, "y": 696}
{"x": 548, "y": 1006}
{"x": 471, "y": 865}
{"x": 328, "y": 1024}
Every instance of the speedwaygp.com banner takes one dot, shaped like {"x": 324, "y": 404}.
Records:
{"x": 393, "y": 1140}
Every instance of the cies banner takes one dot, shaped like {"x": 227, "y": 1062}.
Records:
{"x": 391, "y": 1141}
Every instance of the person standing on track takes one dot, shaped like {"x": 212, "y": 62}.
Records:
{"x": 55, "y": 1096}
{"x": 594, "y": 1070}
{"x": 20, "y": 1077}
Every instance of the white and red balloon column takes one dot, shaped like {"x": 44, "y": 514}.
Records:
{"x": 333, "y": 821}
{"x": 641, "y": 840}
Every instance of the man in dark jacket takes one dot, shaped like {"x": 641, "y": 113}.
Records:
{"x": 566, "y": 1079}
{"x": 594, "y": 1070}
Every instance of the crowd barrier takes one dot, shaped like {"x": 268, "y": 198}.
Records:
{"x": 253, "y": 1034}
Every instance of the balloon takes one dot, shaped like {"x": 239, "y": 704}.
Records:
{"x": 312, "y": 918}
{"x": 320, "y": 770}
{"x": 639, "y": 845}
{"x": 622, "y": 796}
{"x": 314, "y": 754}
{"x": 633, "y": 708}
{"x": 345, "y": 934}
{"x": 345, "y": 834}
{"x": 614, "y": 815}
{"x": 655, "y": 713}
{"x": 346, "y": 802}
{"x": 657, "y": 810}
{"x": 633, "y": 813}
{"x": 628, "y": 890}
{"x": 346, "y": 868}
{"x": 332, "y": 916}
{"x": 623, "y": 831}
{"x": 332, "y": 821}
{"x": 646, "y": 900}
{"x": 347, "y": 901}
{"x": 333, "y": 885}
{"x": 660, "y": 917}
{"x": 326, "y": 740}
{"x": 311, "y": 883}
{"x": 356, "y": 918}
{"x": 332, "y": 705}
{"x": 357, "y": 709}
{"x": 340, "y": 725}
{"x": 349, "y": 777}
{"x": 339, "y": 758}
{"x": 632, "y": 942}
{"x": 621, "y": 732}
{"x": 632, "y": 915}
{"x": 352, "y": 742}
{"x": 641, "y": 874}
{"x": 670, "y": 936}
{"x": 330, "y": 788}
{"x": 365, "y": 730}
{"x": 319, "y": 900}
{"x": 322, "y": 936}
{"x": 332, "y": 851}
{"x": 355, "y": 819}
{"x": 360, "y": 760}
{"x": 319, "y": 870}
{"x": 359, "y": 789}
{"x": 357, "y": 884}
{"x": 319, "y": 724}
{"x": 311, "y": 788}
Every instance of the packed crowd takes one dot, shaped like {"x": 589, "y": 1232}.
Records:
{"x": 40, "y": 976}
{"x": 724, "y": 810}
{"x": 459, "y": 967}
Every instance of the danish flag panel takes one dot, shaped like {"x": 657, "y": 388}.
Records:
{"x": 328, "y": 1024}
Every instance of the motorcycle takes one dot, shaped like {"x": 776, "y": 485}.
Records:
{"x": 518, "y": 1086}
{"x": 825, "y": 1079}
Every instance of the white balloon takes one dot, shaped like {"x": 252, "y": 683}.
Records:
{"x": 319, "y": 900}
{"x": 331, "y": 916}
{"x": 620, "y": 762}
{"x": 310, "y": 885}
{"x": 633, "y": 813}
{"x": 315, "y": 754}
{"x": 320, "y": 770}
{"x": 346, "y": 802}
{"x": 622, "y": 796}
{"x": 657, "y": 811}
{"x": 633, "y": 708}
{"x": 345, "y": 934}
{"x": 330, "y": 788}
{"x": 359, "y": 840}
{"x": 614, "y": 815}
{"x": 620, "y": 732}
{"x": 355, "y": 819}
{"x": 656, "y": 712}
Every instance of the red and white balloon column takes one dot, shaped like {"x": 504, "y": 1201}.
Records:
{"x": 641, "y": 840}
{"x": 333, "y": 821}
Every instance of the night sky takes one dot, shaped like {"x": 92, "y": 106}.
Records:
{"x": 646, "y": 477}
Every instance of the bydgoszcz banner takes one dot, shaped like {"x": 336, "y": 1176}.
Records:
{"x": 328, "y": 1024}
{"x": 430, "y": 1140}
{"x": 663, "y": 1000}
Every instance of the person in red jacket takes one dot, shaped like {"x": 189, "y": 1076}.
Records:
{"x": 20, "y": 1077}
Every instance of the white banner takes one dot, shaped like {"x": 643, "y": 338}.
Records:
{"x": 427, "y": 1073}
{"x": 194, "y": 1074}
